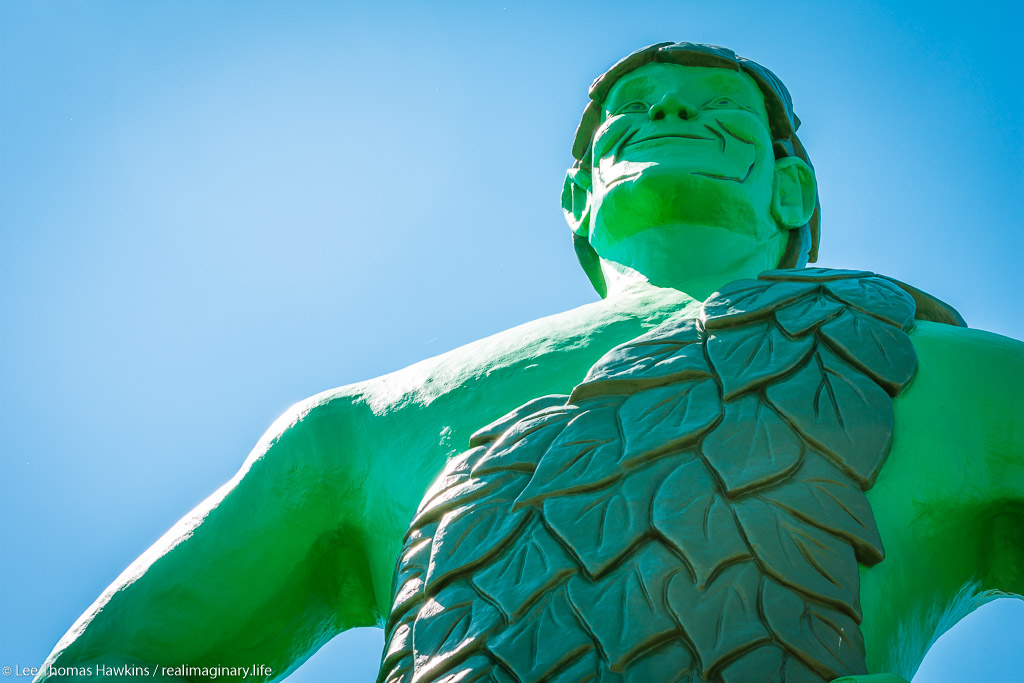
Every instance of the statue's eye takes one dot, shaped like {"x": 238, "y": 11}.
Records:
{"x": 632, "y": 108}
{"x": 721, "y": 102}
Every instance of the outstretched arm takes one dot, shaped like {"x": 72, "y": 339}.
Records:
{"x": 262, "y": 572}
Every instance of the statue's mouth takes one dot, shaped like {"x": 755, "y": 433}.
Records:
{"x": 723, "y": 159}
{"x": 667, "y": 136}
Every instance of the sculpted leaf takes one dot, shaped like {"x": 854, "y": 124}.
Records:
{"x": 467, "y": 490}
{"x": 628, "y": 361}
{"x": 718, "y": 620}
{"x": 525, "y": 570}
{"x": 748, "y": 356}
{"x": 519, "y": 447}
{"x": 875, "y": 296}
{"x": 630, "y": 367}
{"x": 495, "y": 429}
{"x": 820, "y": 494}
{"x": 469, "y": 535}
{"x": 585, "y": 454}
{"x": 479, "y": 668}
{"x": 455, "y": 472}
{"x": 763, "y": 663}
{"x": 768, "y": 663}
{"x": 526, "y": 645}
{"x": 415, "y": 554}
{"x": 586, "y": 668}
{"x": 796, "y": 672}
{"x": 664, "y": 419}
{"x": 697, "y": 521}
{"x": 409, "y": 594}
{"x": 839, "y": 409}
{"x": 398, "y": 651}
{"x": 928, "y": 307}
{"x": 883, "y": 352}
{"x": 826, "y": 640}
{"x": 800, "y": 555}
{"x": 399, "y": 672}
{"x": 670, "y": 662}
{"x": 812, "y": 274}
{"x": 743, "y": 301}
{"x": 752, "y": 446}
{"x": 448, "y": 629}
{"x": 626, "y": 610}
{"x": 399, "y": 645}
{"x": 412, "y": 568}
{"x": 807, "y": 313}
{"x": 600, "y": 526}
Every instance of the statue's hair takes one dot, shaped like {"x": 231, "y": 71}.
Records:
{"x": 802, "y": 246}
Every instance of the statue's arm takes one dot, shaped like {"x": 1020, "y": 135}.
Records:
{"x": 263, "y": 571}
{"x": 992, "y": 407}
{"x": 949, "y": 501}
{"x": 968, "y": 413}
{"x": 301, "y": 543}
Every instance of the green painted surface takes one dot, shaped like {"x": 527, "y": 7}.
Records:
{"x": 695, "y": 179}
{"x": 695, "y": 510}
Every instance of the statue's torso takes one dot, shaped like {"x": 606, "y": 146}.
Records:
{"x": 695, "y": 510}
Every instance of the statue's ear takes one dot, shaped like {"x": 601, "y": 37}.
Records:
{"x": 576, "y": 200}
{"x": 794, "y": 192}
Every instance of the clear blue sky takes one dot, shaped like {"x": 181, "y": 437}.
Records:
{"x": 212, "y": 210}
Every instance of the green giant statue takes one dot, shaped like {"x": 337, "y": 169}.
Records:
{"x": 731, "y": 468}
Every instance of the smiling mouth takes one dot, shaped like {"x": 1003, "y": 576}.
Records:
{"x": 667, "y": 136}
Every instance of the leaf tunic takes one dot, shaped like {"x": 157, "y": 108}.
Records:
{"x": 693, "y": 511}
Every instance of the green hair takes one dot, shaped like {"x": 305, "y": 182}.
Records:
{"x": 803, "y": 242}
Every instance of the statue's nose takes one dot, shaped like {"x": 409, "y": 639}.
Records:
{"x": 671, "y": 105}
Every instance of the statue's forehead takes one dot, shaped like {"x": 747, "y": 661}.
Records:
{"x": 658, "y": 78}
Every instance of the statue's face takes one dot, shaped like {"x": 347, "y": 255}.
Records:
{"x": 682, "y": 146}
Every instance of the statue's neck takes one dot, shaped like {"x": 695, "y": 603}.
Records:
{"x": 696, "y": 260}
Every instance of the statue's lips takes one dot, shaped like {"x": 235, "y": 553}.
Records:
{"x": 676, "y": 152}
{"x": 667, "y": 138}
{"x": 717, "y": 155}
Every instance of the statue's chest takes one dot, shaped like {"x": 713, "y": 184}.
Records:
{"x": 693, "y": 511}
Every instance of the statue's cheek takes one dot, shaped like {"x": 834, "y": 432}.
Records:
{"x": 737, "y": 125}
{"x": 612, "y": 132}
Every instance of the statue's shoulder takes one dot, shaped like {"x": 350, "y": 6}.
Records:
{"x": 552, "y": 353}
{"x": 425, "y": 413}
{"x": 963, "y": 343}
{"x": 968, "y": 372}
